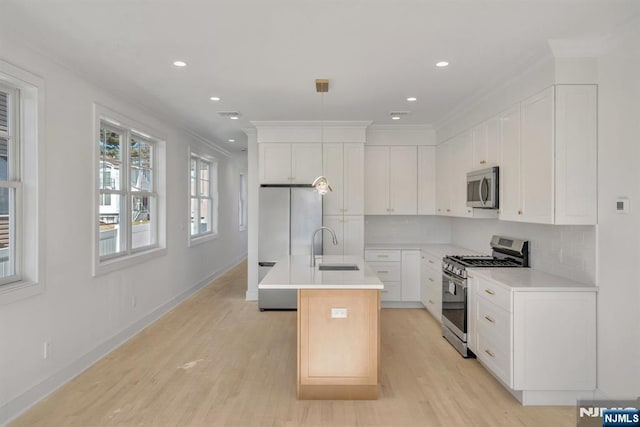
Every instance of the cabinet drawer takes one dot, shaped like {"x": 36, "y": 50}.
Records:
{"x": 433, "y": 302}
{"x": 386, "y": 271}
{"x": 494, "y": 293}
{"x": 494, "y": 324}
{"x": 392, "y": 291}
{"x": 381, "y": 255}
{"x": 494, "y": 358}
{"x": 432, "y": 261}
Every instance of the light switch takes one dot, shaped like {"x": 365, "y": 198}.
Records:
{"x": 338, "y": 313}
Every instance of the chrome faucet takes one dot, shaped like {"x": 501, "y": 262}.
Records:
{"x": 313, "y": 239}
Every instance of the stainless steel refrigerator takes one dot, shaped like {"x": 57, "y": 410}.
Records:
{"x": 288, "y": 217}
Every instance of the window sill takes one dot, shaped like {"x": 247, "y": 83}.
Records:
{"x": 115, "y": 264}
{"x": 199, "y": 240}
{"x": 13, "y": 292}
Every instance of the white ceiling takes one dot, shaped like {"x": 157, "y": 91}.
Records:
{"x": 262, "y": 56}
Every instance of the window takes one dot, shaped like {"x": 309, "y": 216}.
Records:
{"x": 129, "y": 217}
{"x": 242, "y": 204}
{"x": 10, "y": 185}
{"x": 203, "y": 187}
{"x": 21, "y": 183}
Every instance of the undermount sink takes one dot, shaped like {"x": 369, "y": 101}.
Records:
{"x": 338, "y": 267}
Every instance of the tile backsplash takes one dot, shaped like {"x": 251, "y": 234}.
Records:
{"x": 564, "y": 250}
{"x": 406, "y": 229}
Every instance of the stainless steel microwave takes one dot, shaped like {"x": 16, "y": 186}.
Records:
{"x": 482, "y": 188}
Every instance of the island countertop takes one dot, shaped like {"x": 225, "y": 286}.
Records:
{"x": 295, "y": 272}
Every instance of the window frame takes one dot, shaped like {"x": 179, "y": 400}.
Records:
{"x": 129, "y": 256}
{"x": 213, "y": 197}
{"x": 29, "y": 102}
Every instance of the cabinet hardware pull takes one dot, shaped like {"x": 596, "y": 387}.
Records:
{"x": 489, "y": 291}
{"x": 430, "y": 262}
{"x": 448, "y": 210}
{"x": 490, "y": 353}
{"x": 431, "y": 301}
{"x": 439, "y": 210}
{"x": 431, "y": 279}
{"x": 468, "y": 210}
{"x": 482, "y": 162}
{"x": 383, "y": 271}
{"x": 489, "y": 319}
{"x": 519, "y": 212}
{"x": 383, "y": 256}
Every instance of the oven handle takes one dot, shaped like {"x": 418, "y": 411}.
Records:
{"x": 482, "y": 181}
{"x": 457, "y": 280}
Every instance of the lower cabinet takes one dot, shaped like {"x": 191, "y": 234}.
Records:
{"x": 399, "y": 271}
{"x": 431, "y": 285}
{"x": 538, "y": 343}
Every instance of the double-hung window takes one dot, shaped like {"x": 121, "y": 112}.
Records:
{"x": 10, "y": 185}
{"x": 204, "y": 196}
{"x": 128, "y": 217}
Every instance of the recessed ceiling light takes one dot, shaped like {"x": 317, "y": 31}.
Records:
{"x": 442, "y": 64}
{"x": 233, "y": 117}
{"x": 214, "y": 98}
{"x": 232, "y": 140}
{"x": 179, "y": 63}
{"x": 412, "y": 99}
{"x": 395, "y": 117}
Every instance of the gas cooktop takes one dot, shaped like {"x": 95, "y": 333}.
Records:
{"x": 484, "y": 261}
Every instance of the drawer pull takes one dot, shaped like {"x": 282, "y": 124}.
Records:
{"x": 430, "y": 261}
{"x": 490, "y": 319}
{"x": 383, "y": 256}
{"x": 482, "y": 162}
{"x": 489, "y": 291}
{"x": 383, "y": 271}
{"x": 431, "y": 301}
{"x": 490, "y": 353}
{"x": 431, "y": 279}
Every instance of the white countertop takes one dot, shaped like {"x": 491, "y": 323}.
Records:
{"x": 294, "y": 272}
{"x": 439, "y": 250}
{"x": 528, "y": 279}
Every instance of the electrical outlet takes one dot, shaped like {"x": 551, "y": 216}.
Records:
{"x": 338, "y": 313}
{"x": 46, "y": 349}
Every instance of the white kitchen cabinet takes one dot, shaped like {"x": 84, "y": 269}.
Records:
{"x": 431, "y": 285}
{"x": 343, "y": 165}
{"x": 391, "y": 175}
{"x": 349, "y": 232}
{"x": 485, "y": 144}
{"x": 399, "y": 271}
{"x": 460, "y": 164}
{"x": 411, "y": 275}
{"x": 280, "y": 163}
{"x": 548, "y": 157}
{"x": 426, "y": 180}
{"x": 443, "y": 182}
{"x": 539, "y": 341}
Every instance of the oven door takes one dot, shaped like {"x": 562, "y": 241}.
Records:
{"x": 454, "y": 305}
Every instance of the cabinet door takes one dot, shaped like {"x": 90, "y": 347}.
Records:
{"x": 332, "y": 202}
{"x": 306, "y": 162}
{"x": 485, "y": 144}
{"x": 424, "y": 288}
{"x": 492, "y": 127}
{"x": 510, "y": 164}
{"x": 426, "y": 180}
{"x": 275, "y": 163}
{"x": 536, "y": 160}
{"x": 353, "y": 235}
{"x": 461, "y": 164}
{"x": 335, "y": 223}
{"x": 576, "y": 154}
{"x": 443, "y": 184}
{"x": 479, "y": 134}
{"x": 353, "y": 179}
{"x": 411, "y": 275}
{"x": 376, "y": 184}
{"x": 403, "y": 180}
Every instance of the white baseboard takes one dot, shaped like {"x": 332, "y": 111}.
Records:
{"x": 20, "y": 404}
{"x": 252, "y": 295}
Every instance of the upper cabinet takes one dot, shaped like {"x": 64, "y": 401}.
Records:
{"x": 343, "y": 166}
{"x": 454, "y": 161}
{"x": 485, "y": 144}
{"x": 426, "y": 180}
{"x": 297, "y": 163}
{"x": 443, "y": 181}
{"x": 548, "y": 157}
{"x": 391, "y": 178}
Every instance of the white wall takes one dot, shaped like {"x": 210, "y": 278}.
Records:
{"x": 619, "y": 235}
{"x": 83, "y": 316}
{"x": 567, "y": 251}
{"x": 406, "y": 229}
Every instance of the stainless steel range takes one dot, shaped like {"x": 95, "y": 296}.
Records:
{"x": 507, "y": 252}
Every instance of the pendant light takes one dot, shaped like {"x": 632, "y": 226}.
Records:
{"x": 321, "y": 183}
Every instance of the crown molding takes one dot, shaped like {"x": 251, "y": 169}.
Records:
{"x": 311, "y": 124}
{"x": 401, "y": 128}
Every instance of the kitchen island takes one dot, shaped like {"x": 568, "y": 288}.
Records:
{"x": 338, "y": 333}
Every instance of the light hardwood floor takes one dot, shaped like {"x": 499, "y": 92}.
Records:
{"x": 216, "y": 360}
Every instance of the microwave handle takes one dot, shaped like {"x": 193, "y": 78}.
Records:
{"x": 482, "y": 181}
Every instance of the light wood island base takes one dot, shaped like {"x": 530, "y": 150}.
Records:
{"x": 338, "y": 357}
